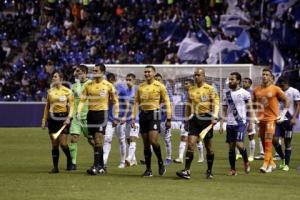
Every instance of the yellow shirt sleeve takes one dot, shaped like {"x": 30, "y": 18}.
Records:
{"x": 46, "y": 111}
{"x": 115, "y": 101}
{"x": 135, "y": 104}
{"x": 83, "y": 98}
{"x": 165, "y": 98}
{"x": 71, "y": 104}
{"x": 216, "y": 103}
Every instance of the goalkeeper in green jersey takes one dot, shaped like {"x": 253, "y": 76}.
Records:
{"x": 79, "y": 126}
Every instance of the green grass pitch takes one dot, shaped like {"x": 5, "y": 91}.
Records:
{"x": 25, "y": 161}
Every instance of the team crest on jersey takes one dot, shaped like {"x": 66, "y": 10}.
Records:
{"x": 155, "y": 126}
{"x": 62, "y": 98}
{"x": 103, "y": 93}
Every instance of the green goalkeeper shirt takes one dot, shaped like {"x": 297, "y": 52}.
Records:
{"x": 77, "y": 89}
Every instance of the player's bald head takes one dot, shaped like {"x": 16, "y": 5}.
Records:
{"x": 200, "y": 70}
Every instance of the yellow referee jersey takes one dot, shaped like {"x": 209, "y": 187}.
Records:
{"x": 57, "y": 101}
{"x": 98, "y": 96}
{"x": 202, "y": 100}
{"x": 150, "y": 96}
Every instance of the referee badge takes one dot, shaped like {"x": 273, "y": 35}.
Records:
{"x": 62, "y": 98}
{"x": 204, "y": 98}
{"x": 155, "y": 126}
{"x": 102, "y": 93}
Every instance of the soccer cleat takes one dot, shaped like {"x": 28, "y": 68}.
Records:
{"x": 276, "y": 157}
{"x": 273, "y": 165}
{"x": 250, "y": 158}
{"x": 92, "y": 171}
{"x": 282, "y": 164}
{"x": 184, "y": 174}
{"x": 200, "y": 160}
{"x": 247, "y": 167}
{"x": 209, "y": 175}
{"x": 269, "y": 169}
{"x": 161, "y": 170}
{"x": 259, "y": 157}
{"x": 238, "y": 156}
{"x": 54, "y": 171}
{"x": 102, "y": 170}
{"x": 263, "y": 169}
{"x": 286, "y": 168}
{"x": 178, "y": 161}
{"x": 72, "y": 167}
{"x": 133, "y": 163}
{"x": 232, "y": 172}
{"x": 127, "y": 163}
{"x": 168, "y": 162}
{"x": 147, "y": 173}
{"x": 121, "y": 166}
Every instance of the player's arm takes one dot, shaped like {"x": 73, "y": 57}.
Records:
{"x": 296, "y": 99}
{"x": 114, "y": 98}
{"x": 135, "y": 107}
{"x": 82, "y": 101}
{"x": 46, "y": 112}
{"x": 250, "y": 114}
{"x": 282, "y": 97}
{"x": 71, "y": 108}
{"x": 165, "y": 98}
{"x": 216, "y": 105}
{"x": 223, "y": 113}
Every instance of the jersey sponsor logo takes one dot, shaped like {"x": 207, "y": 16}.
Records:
{"x": 62, "y": 98}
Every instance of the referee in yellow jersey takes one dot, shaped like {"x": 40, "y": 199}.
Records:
{"x": 201, "y": 110}
{"x": 149, "y": 96}
{"x": 98, "y": 93}
{"x": 58, "y": 112}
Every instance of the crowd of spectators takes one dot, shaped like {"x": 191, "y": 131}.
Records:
{"x": 58, "y": 34}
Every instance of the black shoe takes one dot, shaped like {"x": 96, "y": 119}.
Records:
{"x": 184, "y": 174}
{"x": 143, "y": 162}
{"x": 147, "y": 173}
{"x": 72, "y": 167}
{"x": 92, "y": 171}
{"x": 209, "y": 175}
{"x": 161, "y": 170}
{"x": 54, "y": 171}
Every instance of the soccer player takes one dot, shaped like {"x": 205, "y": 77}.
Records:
{"x": 236, "y": 105}
{"x": 202, "y": 110}
{"x": 285, "y": 128}
{"x": 98, "y": 93}
{"x": 132, "y": 134}
{"x": 247, "y": 82}
{"x": 183, "y": 133}
{"x": 265, "y": 98}
{"x": 79, "y": 126}
{"x": 58, "y": 112}
{"x": 120, "y": 128}
{"x": 149, "y": 96}
{"x": 166, "y": 133}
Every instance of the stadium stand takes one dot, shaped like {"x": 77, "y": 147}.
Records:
{"x": 39, "y": 36}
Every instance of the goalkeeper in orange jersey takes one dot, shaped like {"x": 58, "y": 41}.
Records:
{"x": 266, "y": 98}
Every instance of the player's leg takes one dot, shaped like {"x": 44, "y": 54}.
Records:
{"x": 75, "y": 131}
{"x": 279, "y": 132}
{"x": 120, "y": 133}
{"x": 251, "y": 145}
{"x": 54, "y": 153}
{"x": 166, "y": 134}
{"x": 63, "y": 142}
{"x": 182, "y": 144}
{"x": 154, "y": 130}
{"x": 240, "y": 136}
{"x": 109, "y": 132}
{"x": 200, "y": 151}
{"x": 288, "y": 146}
{"x": 132, "y": 134}
{"x": 230, "y": 139}
{"x": 210, "y": 156}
